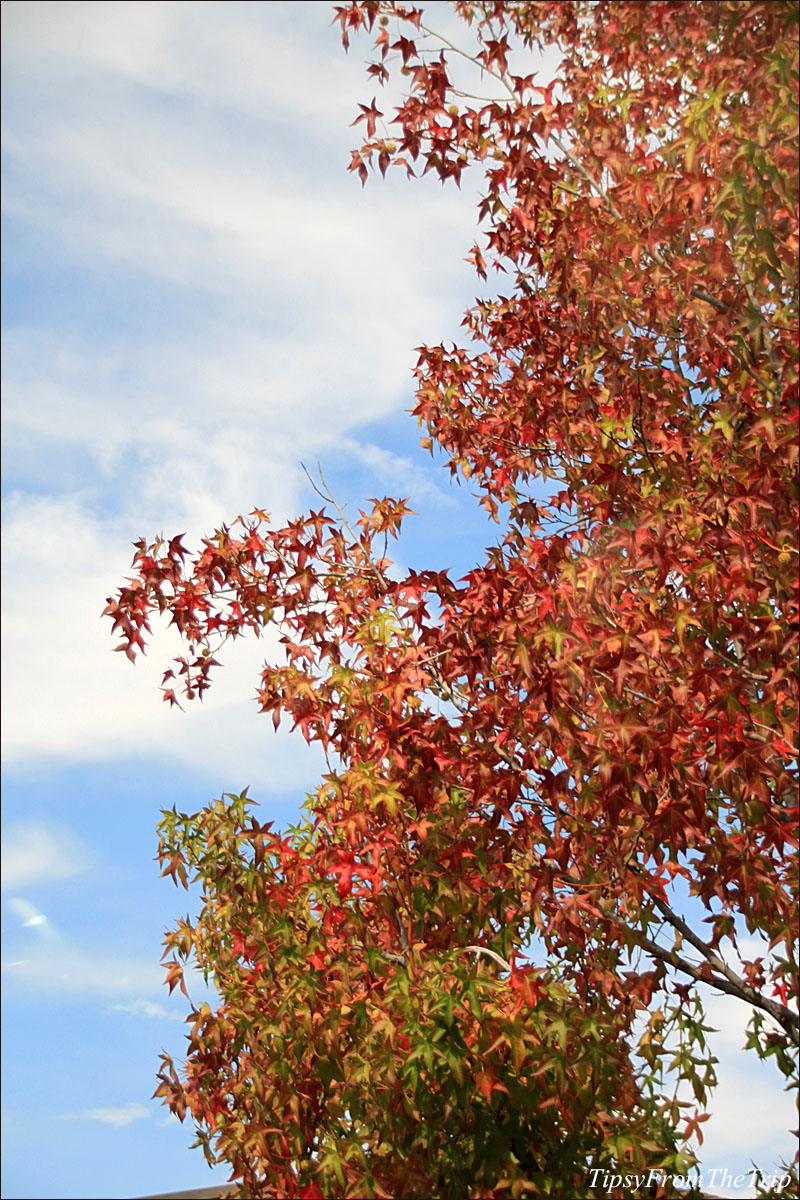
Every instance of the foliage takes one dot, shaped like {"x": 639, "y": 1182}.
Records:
{"x": 598, "y": 719}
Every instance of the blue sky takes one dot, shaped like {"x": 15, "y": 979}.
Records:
{"x": 197, "y": 297}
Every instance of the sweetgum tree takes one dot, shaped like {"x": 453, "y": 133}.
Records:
{"x": 535, "y": 764}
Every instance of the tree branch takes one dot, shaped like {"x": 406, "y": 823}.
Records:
{"x": 478, "y": 950}
{"x": 784, "y": 1016}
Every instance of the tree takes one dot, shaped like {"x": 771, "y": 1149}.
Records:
{"x": 537, "y": 763}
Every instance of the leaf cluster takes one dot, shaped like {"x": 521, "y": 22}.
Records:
{"x": 598, "y": 719}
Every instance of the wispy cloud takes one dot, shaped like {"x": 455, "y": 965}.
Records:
{"x": 118, "y": 1117}
{"x": 399, "y": 474}
{"x": 37, "y": 853}
{"x": 56, "y": 969}
{"x": 30, "y": 916}
{"x": 770, "y": 1111}
{"x": 144, "y": 1008}
{"x": 289, "y": 324}
{"x": 120, "y": 710}
{"x": 49, "y": 965}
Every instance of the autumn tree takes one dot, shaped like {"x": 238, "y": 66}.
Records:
{"x": 562, "y": 788}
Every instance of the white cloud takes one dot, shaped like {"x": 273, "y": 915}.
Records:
{"x": 750, "y": 1113}
{"x": 118, "y": 710}
{"x": 118, "y": 1117}
{"x": 309, "y": 305}
{"x": 300, "y": 301}
{"x": 743, "y": 1192}
{"x": 37, "y": 853}
{"x": 30, "y": 916}
{"x": 397, "y": 474}
{"x": 48, "y": 964}
{"x": 69, "y": 971}
{"x": 145, "y": 1008}
{"x": 256, "y": 59}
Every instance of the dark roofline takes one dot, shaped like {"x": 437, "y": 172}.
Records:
{"x": 206, "y": 1193}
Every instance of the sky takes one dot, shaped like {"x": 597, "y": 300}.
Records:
{"x": 198, "y": 298}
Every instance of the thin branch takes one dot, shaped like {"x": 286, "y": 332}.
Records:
{"x": 699, "y": 293}
{"x": 639, "y": 427}
{"x": 478, "y": 950}
{"x": 735, "y": 663}
{"x": 784, "y": 1016}
{"x": 725, "y": 981}
{"x": 718, "y": 963}
{"x": 400, "y": 959}
{"x": 463, "y": 54}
